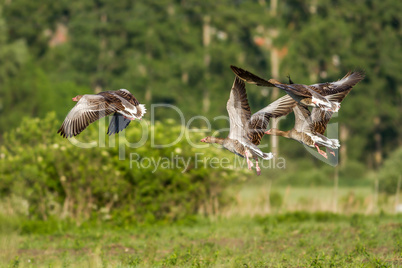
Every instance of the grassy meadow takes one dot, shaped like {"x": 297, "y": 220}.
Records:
{"x": 239, "y": 236}
{"x": 289, "y": 240}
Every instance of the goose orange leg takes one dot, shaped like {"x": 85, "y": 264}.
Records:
{"x": 257, "y": 168}
{"x": 249, "y": 163}
{"x": 331, "y": 151}
{"x": 320, "y": 151}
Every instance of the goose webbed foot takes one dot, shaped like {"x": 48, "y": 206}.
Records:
{"x": 331, "y": 151}
{"x": 320, "y": 151}
{"x": 257, "y": 168}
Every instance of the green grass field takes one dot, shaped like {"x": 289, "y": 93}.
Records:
{"x": 287, "y": 240}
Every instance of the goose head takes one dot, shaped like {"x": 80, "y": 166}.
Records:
{"x": 77, "y": 98}
{"x": 210, "y": 139}
{"x": 207, "y": 139}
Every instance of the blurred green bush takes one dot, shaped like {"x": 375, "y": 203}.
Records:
{"x": 45, "y": 176}
{"x": 390, "y": 172}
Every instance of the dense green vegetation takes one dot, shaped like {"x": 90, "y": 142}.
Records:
{"x": 119, "y": 178}
{"x": 291, "y": 240}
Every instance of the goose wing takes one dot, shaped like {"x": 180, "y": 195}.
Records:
{"x": 311, "y": 122}
{"x": 87, "y": 110}
{"x": 124, "y": 93}
{"x": 238, "y": 110}
{"x": 343, "y": 85}
{"x": 296, "y": 91}
{"x": 302, "y": 118}
{"x": 259, "y": 121}
{"x": 250, "y": 78}
{"x": 336, "y": 92}
{"x": 300, "y": 90}
{"x": 319, "y": 120}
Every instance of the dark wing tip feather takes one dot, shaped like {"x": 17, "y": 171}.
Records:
{"x": 235, "y": 69}
{"x": 250, "y": 77}
{"x": 117, "y": 124}
{"x": 61, "y": 131}
{"x": 239, "y": 72}
{"x": 290, "y": 80}
{"x": 354, "y": 77}
{"x": 360, "y": 74}
{"x": 360, "y": 71}
{"x": 239, "y": 84}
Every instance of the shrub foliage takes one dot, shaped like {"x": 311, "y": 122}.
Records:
{"x": 44, "y": 175}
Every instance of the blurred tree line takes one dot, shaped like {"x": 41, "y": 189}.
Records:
{"x": 179, "y": 51}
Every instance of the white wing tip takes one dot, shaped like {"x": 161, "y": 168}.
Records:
{"x": 335, "y": 106}
{"x": 268, "y": 156}
{"x": 327, "y": 105}
{"x": 143, "y": 110}
{"x": 335, "y": 143}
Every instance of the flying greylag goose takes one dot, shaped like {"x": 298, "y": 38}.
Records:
{"x": 309, "y": 129}
{"x": 309, "y": 126}
{"x": 89, "y": 108}
{"x": 246, "y": 130}
{"x": 309, "y": 95}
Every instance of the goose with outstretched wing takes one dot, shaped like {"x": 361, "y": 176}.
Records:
{"x": 316, "y": 95}
{"x": 121, "y": 104}
{"x": 310, "y": 127}
{"x": 246, "y": 129}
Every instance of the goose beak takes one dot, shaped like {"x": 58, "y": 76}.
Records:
{"x": 203, "y": 140}
{"x": 75, "y": 99}
{"x": 268, "y": 132}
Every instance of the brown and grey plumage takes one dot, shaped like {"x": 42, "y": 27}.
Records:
{"x": 316, "y": 95}
{"x": 246, "y": 129}
{"x": 121, "y": 104}
{"x": 310, "y": 127}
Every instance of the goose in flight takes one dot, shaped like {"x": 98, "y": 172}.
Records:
{"x": 316, "y": 95}
{"x": 121, "y": 104}
{"x": 310, "y": 127}
{"x": 246, "y": 129}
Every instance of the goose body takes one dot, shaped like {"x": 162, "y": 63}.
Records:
{"x": 316, "y": 95}
{"x": 309, "y": 129}
{"x": 121, "y": 104}
{"x": 246, "y": 129}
